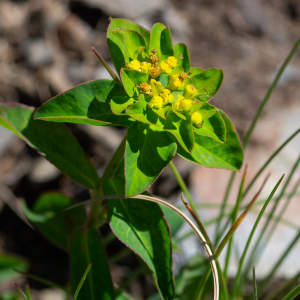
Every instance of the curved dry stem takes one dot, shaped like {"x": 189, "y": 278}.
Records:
{"x": 183, "y": 216}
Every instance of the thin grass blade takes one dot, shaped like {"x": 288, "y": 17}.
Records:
{"x": 237, "y": 223}
{"x": 21, "y": 292}
{"x": 256, "y": 246}
{"x": 254, "y": 285}
{"x": 251, "y": 128}
{"x": 82, "y": 281}
{"x": 28, "y": 294}
{"x": 234, "y": 216}
{"x": 293, "y": 294}
{"x": 106, "y": 66}
{"x": 236, "y": 286}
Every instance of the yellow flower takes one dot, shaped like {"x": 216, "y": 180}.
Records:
{"x": 175, "y": 82}
{"x": 155, "y": 71}
{"x": 171, "y": 61}
{"x": 190, "y": 91}
{"x": 186, "y": 105}
{"x": 166, "y": 96}
{"x": 134, "y": 65}
{"x": 197, "y": 119}
{"x": 165, "y": 67}
{"x": 145, "y": 66}
{"x": 146, "y": 88}
{"x": 156, "y": 102}
{"x": 177, "y": 105}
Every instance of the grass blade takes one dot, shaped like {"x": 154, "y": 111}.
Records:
{"x": 28, "y": 292}
{"x": 250, "y": 130}
{"x": 255, "y": 248}
{"x": 237, "y": 278}
{"x": 237, "y": 223}
{"x": 43, "y": 281}
{"x": 293, "y": 294}
{"x": 106, "y": 66}
{"x": 234, "y": 216}
{"x": 82, "y": 281}
{"x": 278, "y": 263}
{"x": 254, "y": 285}
{"x": 269, "y": 160}
{"x": 21, "y": 292}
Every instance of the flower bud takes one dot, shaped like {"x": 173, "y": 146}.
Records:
{"x": 174, "y": 82}
{"x": 190, "y": 91}
{"x": 134, "y": 65}
{"x": 197, "y": 119}
{"x": 156, "y": 102}
{"x": 154, "y": 71}
{"x": 154, "y": 59}
{"x": 146, "y": 88}
{"x": 171, "y": 61}
{"x": 165, "y": 67}
{"x": 145, "y": 66}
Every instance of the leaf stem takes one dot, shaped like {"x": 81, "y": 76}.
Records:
{"x": 184, "y": 188}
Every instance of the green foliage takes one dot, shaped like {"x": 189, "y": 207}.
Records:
{"x": 48, "y": 216}
{"x": 163, "y": 102}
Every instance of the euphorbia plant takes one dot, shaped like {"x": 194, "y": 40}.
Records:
{"x": 164, "y": 103}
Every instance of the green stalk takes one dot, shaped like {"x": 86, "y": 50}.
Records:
{"x": 254, "y": 285}
{"x": 254, "y": 250}
{"x": 278, "y": 263}
{"x": 184, "y": 188}
{"x": 28, "y": 294}
{"x": 236, "y": 285}
{"x": 108, "y": 173}
{"x": 251, "y": 128}
{"x": 293, "y": 294}
{"x": 234, "y": 217}
{"x": 85, "y": 274}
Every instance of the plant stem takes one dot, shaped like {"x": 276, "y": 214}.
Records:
{"x": 108, "y": 173}
{"x": 184, "y": 188}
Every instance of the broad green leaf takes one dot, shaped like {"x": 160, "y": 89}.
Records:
{"x": 161, "y": 41}
{"x": 207, "y": 110}
{"x": 86, "y": 247}
{"x": 132, "y": 40}
{"x": 181, "y": 129}
{"x": 54, "y": 223}
{"x": 213, "y": 127}
{"x": 196, "y": 71}
{"x": 54, "y": 141}
{"x": 163, "y": 78}
{"x": 212, "y": 154}
{"x": 87, "y": 103}
{"x": 148, "y": 150}
{"x": 142, "y": 112}
{"x": 182, "y": 49}
{"x": 163, "y": 112}
{"x": 210, "y": 80}
{"x": 115, "y": 46}
{"x": 120, "y": 104}
{"x": 130, "y": 78}
{"x": 7, "y": 265}
{"x": 140, "y": 54}
{"x": 141, "y": 226}
{"x": 174, "y": 220}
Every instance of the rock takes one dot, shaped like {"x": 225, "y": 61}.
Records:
{"x": 130, "y": 9}
{"x": 38, "y": 53}
{"x": 43, "y": 171}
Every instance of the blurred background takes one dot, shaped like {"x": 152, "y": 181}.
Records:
{"x": 45, "y": 49}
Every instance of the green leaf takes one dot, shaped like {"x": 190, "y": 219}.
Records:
{"x": 212, "y": 154}
{"x": 148, "y": 150}
{"x": 86, "y": 247}
{"x": 122, "y": 296}
{"x": 142, "y": 112}
{"x": 141, "y": 226}
{"x": 54, "y": 223}
{"x": 54, "y": 141}
{"x": 196, "y": 71}
{"x": 213, "y": 127}
{"x": 87, "y": 103}
{"x": 119, "y": 105}
{"x": 182, "y": 49}
{"x": 115, "y": 46}
{"x": 161, "y": 41}
{"x": 7, "y": 265}
{"x": 9, "y": 296}
{"x": 130, "y": 78}
{"x": 140, "y": 54}
{"x": 132, "y": 40}
{"x": 174, "y": 220}
{"x": 210, "y": 80}
{"x": 181, "y": 129}
{"x": 207, "y": 110}
{"x": 163, "y": 112}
